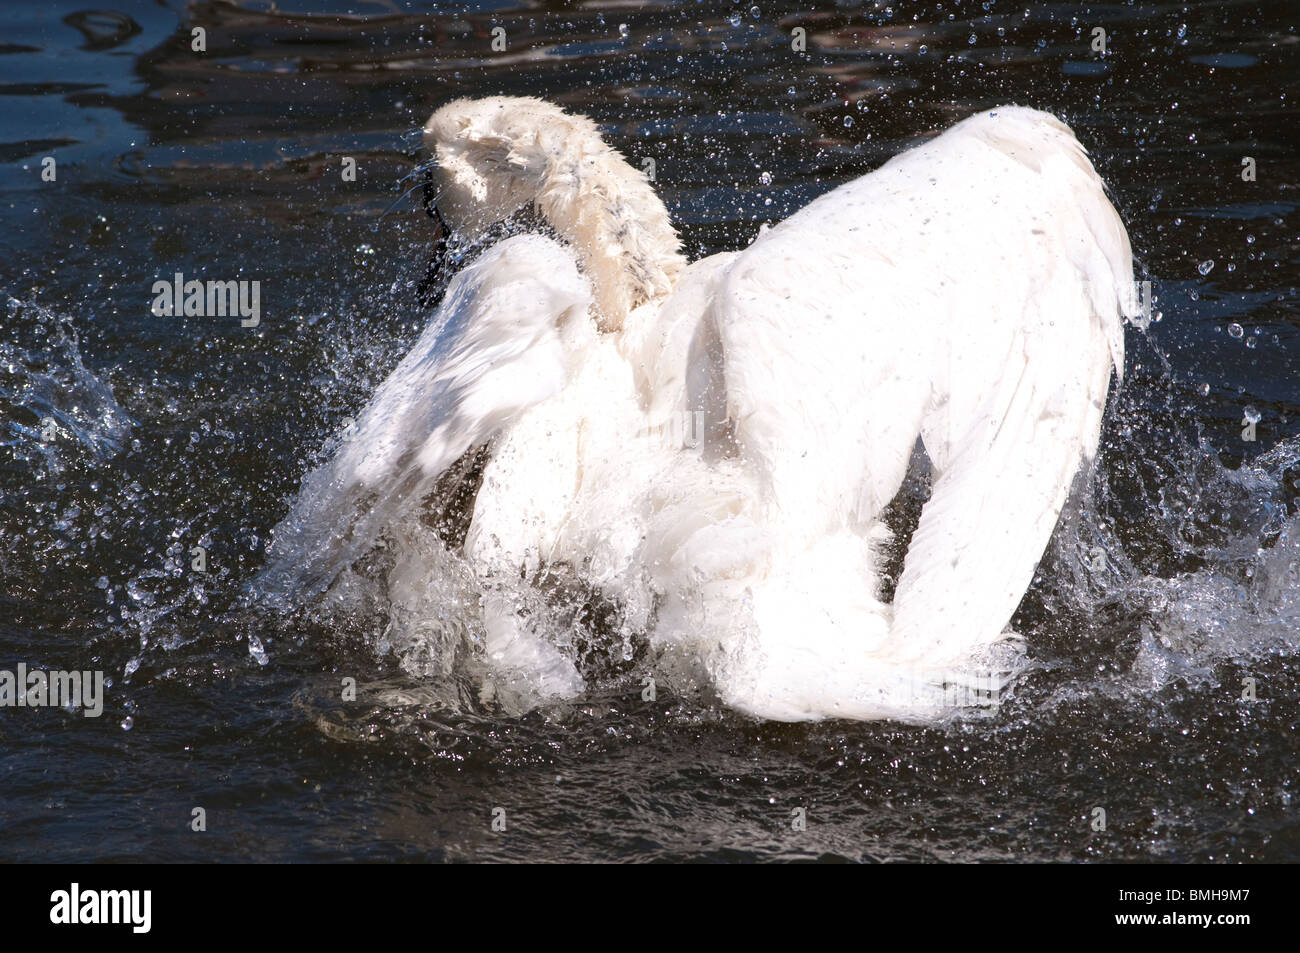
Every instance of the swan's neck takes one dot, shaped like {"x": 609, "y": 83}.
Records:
{"x": 608, "y": 212}
{"x": 498, "y": 154}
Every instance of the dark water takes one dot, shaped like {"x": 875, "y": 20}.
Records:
{"x": 172, "y": 432}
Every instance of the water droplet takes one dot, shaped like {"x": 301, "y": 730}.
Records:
{"x": 1236, "y": 330}
{"x": 622, "y": 30}
{"x": 139, "y": 593}
{"x": 1206, "y": 267}
{"x": 127, "y": 722}
{"x": 848, "y": 121}
{"x": 255, "y": 649}
{"x": 765, "y": 178}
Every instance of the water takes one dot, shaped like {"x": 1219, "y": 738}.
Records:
{"x": 128, "y": 439}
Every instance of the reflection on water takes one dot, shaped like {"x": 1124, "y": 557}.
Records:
{"x": 172, "y": 433}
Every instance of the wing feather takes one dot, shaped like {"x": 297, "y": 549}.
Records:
{"x": 495, "y": 347}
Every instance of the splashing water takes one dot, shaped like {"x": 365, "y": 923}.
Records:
{"x": 52, "y": 405}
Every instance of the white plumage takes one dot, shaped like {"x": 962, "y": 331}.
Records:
{"x": 970, "y": 292}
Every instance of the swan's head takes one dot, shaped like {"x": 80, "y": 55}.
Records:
{"x": 482, "y": 176}
{"x": 496, "y": 156}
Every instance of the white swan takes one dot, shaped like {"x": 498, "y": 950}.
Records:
{"x": 970, "y": 292}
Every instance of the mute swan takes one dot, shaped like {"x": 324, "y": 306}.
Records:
{"x": 970, "y": 292}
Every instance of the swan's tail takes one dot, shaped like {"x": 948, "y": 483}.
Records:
{"x": 788, "y": 628}
{"x": 804, "y": 638}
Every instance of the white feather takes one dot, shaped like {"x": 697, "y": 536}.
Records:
{"x": 504, "y": 339}
{"x": 970, "y": 293}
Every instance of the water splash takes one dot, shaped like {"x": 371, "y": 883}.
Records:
{"x": 49, "y": 402}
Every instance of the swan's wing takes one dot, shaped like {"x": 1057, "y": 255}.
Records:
{"x": 973, "y": 290}
{"x": 495, "y": 347}
{"x": 1008, "y": 446}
